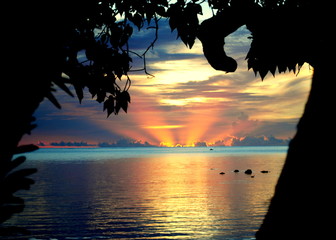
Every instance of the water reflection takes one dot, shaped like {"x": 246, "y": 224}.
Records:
{"x": 163, "y": 197}
{"x": 177, "y": 198}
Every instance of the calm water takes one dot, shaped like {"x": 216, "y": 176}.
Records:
{"x": 149, "y": 193}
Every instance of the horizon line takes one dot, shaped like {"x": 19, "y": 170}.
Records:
{"x": 154, "y": 146}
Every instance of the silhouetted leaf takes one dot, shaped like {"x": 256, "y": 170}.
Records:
{"x": 124, "y": 106}
{"x": 117, "y": 108}
{"x": 109, "y": 105}
{"x": 126, "y": 96}
{"x": 149, "y": 14}
{"x": 101, "y": 96}
{"x": 175, "y": 13}
{"x": 292, "y": 67}
{"x": 282, "y": 67}
{"x": 30, "y": 128}
{"x": 119, "y": 72}
{"x": 52, "y": 99}
{"x": 17, "y": 180}
{"x": 60, "y": 84}
{"x": 263, "y": 70}
{"x": 191, "y": 41}
{"x": 79, "y": 92}
{"x": 15, "y": 163}
{"x": 26, "y": 148}
{"x": 22, "y": 173}
{"x": 173, "y": 23}
{"x": 161, "y": 11}
{"x": 272, "y": 69}
{"x": 20, "y": 184}
{"x": 137, "y": 20}
{"x": 124, "y": 99}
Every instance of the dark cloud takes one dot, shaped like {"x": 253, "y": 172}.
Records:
{"x": 200, "y": 144}
{"x": 243, "y": 116}
{"x": 67, "y": 144}
{"x": 125, "y": 142}
{"x": 72, "y": 123}
{"x": 259, "y": 141}
{"x": 282, "y": 129}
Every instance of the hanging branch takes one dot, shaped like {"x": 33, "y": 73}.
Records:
{"x": 150, "y": 46}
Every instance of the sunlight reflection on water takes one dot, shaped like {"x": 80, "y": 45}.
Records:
{"x": 167, "y": 195}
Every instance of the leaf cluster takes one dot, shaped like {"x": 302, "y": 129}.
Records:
{"x": 281, "y": 46}
{"x": 94, "y": 52}
{"x": 96, "y": 56}
{"x": 278, "y": 32}
{"x": 114, "y": 104}
{"x": 183, "y": 17}
{"x": 12, "y": 181}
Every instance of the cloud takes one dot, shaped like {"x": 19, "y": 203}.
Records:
{"x": 282, "y": 129}
{"x": 200, "y": 144}
{"x": 68, "y": 144}
{"x": 125, "y": 142}
{"x": 243, "y": 116}
{"x": 259, "y": 141}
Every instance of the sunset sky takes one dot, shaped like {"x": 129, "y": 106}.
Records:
{"x": 186, "y": 102}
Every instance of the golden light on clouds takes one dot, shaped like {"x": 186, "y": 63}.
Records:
{"x": 164, "y": 127}
{"x": 188, "y": 102}
{"x": 181, "y": 71}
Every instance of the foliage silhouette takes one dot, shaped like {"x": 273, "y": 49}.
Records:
{"x": 85, "y": 44}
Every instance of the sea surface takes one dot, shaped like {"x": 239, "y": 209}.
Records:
{"x": 149, "y": 193}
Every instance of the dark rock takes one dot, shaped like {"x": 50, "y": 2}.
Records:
{"x": 248, "y": 171}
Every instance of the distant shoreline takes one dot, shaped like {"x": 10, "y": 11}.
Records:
{"x": 244, "y": 141}
{"x": 50, "y": 146}
{"x": 210, "y": 147}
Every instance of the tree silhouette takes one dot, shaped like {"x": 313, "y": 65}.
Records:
{"x": 85, "y": 44}
{"x": 285, "y": 35}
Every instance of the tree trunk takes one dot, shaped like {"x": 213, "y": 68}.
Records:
{"x": 32, "y": 58}
{"x": 303, "y": 204}
{"x": 23, "y": 90}
{"x": 27, "y": 70}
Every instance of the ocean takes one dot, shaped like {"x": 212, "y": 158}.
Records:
{"x": 149, "y": 193}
